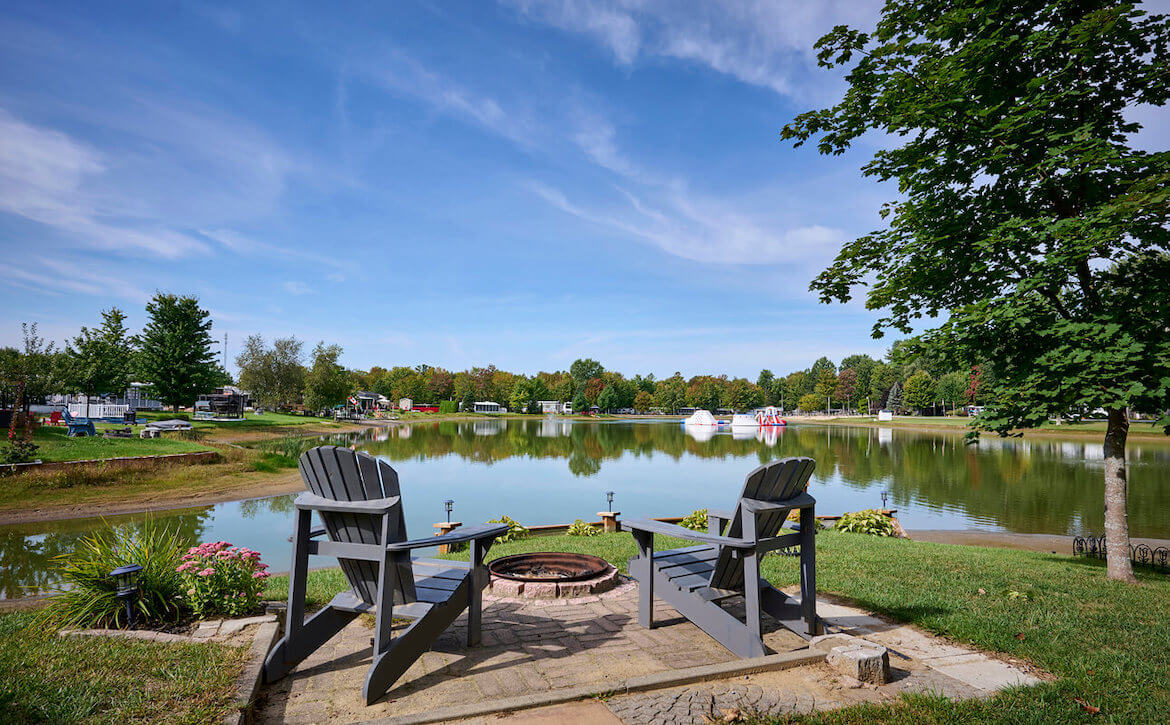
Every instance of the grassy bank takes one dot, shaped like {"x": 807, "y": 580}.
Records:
{"x": 54, "y": 445}
{"x": 1107, "y": 643}
{"x": 47, "y": 678}
{"x": 1143, "y": 430}
{"x": 239, "y": 473}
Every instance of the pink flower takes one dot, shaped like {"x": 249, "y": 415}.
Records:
{"x": 261, "y": 575}
{"x": 185, "y": 567}
{"x": 207, "y": 572}
{"x": 194, "y": 549}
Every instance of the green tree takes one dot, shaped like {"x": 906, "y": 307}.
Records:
{"x": 864, "y": 366}
{"x": 523, "y": 399}
{"x": 100, "y": 360}
{"x": 608, "y": 399}
{"x": 327, "y": 383}
{"x": 585, "y": 370}
{"x": 274, "y": 376}
{"x": 765, "y": 380}
{"x": 742, "y": 395}
{"x": 175, "y": 353}
{"x": 919, "y": 390}
{"x": 671, "y": 394}
{"x": 951, "y": 388}
{"x": 810, "y": 402}
{"x": 708, "y": 396}
{"x": 826, "y": 387}
{"x": 1024, "y": 212}
{"x": 643, "y": 401}
{"x": 847, "y": 385}
{"x": 580, "y": 405}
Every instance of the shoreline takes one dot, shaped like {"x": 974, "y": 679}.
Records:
{"x": 1151, "y": 435}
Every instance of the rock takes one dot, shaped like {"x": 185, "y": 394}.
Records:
{"x": 826, "y": 642}
{"x": 866, "y": 662}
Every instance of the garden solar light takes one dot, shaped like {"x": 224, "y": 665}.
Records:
{"x": 449, "y": 504}
{"x": 126, "y": 579}
{"x": 884, "y": 495}
{"x": 609, "y": 500}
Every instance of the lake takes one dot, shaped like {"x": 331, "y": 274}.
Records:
{"x": 553, "y": 471}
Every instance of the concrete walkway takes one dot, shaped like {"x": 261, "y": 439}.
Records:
{"x": 538, "y": 655}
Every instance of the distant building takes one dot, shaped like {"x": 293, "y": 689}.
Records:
{"x": 365, "y": 401}
{"x": 549, "y": 406}
{"x": 405, "y": 404}
{"x": 486, "y": 406}
{"x": 885, "y": 415}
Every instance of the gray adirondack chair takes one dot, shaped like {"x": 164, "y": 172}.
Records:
{"x": 726, "y": 563}
{"x": 357, "y": 498}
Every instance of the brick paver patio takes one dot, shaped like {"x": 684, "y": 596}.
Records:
{"x": 529, "y": 646}
{"x": 532, "y": 647}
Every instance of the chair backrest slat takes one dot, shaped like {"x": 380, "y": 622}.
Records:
{"x": 341, "y": 474}
{"x": 776, "y": 481}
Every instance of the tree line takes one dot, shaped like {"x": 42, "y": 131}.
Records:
{"x": 173, "y": 353}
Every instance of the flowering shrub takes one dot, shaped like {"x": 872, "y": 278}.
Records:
{"x": 516, "y": 530}
{"x": 219, "y": 578}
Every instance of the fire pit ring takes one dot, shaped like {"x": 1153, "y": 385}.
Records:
{"x": 546, "y": 566}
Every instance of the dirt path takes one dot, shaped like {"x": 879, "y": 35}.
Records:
{"x": 1050, "y": 543}
{"x": 1136, "y": 433}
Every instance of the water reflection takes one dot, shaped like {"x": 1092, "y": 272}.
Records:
{"x": 550, "y": 471}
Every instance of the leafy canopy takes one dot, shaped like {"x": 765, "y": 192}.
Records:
{"x": 1023, "y": 211}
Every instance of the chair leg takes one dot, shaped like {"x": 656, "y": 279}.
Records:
{"x": 808, "y": 571}
{"x": 645, "y": 577}
{"x": 406, "y": 648}
{"x": 474, "y": 595}
{"x": 301, "y": 638}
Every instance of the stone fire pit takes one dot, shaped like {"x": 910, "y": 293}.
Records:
{"x": 551, "y": 575}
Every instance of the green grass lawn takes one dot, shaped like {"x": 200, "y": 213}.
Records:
{"x": 1107, "y": 643}
{"x": 250, "y": 422}
{"x": 47, "y": 678}
{"x": 55, "y": 445}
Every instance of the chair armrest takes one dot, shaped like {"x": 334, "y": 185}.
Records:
{"x": 482, "y": 531}
{"x": 716, "y": 520}
{"x": 796, "y": 502}
{"x": 370, "y": 506}
{"x": 658, "y": 527}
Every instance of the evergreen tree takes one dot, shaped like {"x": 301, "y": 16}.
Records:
{"x": 894, "y": 400}
{"x": 175, "y": 349}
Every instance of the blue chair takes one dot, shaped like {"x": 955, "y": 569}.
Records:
{"x": 78, "y": 426}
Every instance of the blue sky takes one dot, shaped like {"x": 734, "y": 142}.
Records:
{"x": 456, "y": 183}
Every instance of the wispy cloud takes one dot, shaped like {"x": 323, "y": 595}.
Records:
{"x": 45, "y": 176}
{"x": 762, "y": 43}
{"x": 401, "y": 73}
{"x": 247, "y": 246}
{"x": 296, "y": 287}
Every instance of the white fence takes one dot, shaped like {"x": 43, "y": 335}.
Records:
{"x": 97, "y": 410}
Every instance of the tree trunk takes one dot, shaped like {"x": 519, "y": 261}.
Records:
{"x": 1117, "y": 562}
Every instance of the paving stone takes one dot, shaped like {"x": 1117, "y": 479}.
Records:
{"x": 864, "y": 662}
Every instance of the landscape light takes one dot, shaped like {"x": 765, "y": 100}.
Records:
{"x": 449, "y": 504}
{"x": 126, "y": 579}
{"x": 609, "y": 500}
{"x": 884, "y": 495}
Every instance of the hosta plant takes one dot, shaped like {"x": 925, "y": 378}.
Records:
{"x": 220, "y": 579}
{"x": 515, "y": 530}
{"x": 870, "y": 521}
{"x": 696, "y": 520}
{"x": 580, "y": 528}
